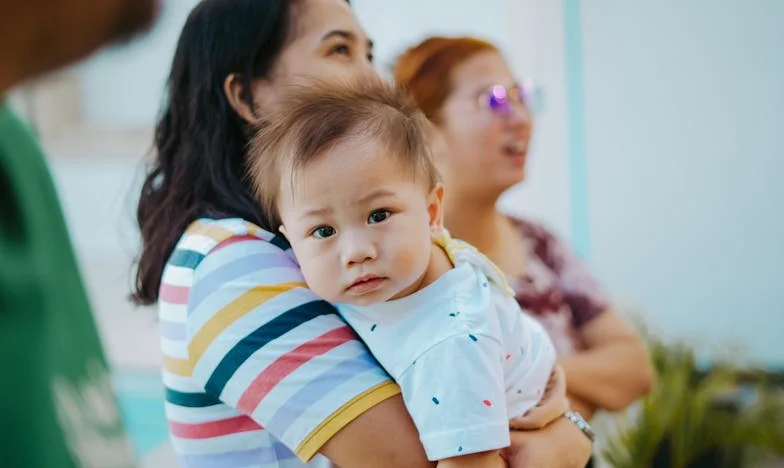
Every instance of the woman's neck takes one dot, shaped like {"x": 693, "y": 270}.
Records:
{"x": 477, "y": 222}
{"x": 487, "y": 229}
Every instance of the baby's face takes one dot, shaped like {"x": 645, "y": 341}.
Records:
{"x": 359, "y": 223}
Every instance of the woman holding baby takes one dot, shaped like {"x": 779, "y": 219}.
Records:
{"x": 260, "y": 371}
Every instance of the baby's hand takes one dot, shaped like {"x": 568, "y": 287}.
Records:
{"x": 552, "y": 405}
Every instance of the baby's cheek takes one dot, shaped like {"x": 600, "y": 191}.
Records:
{"x": 414, "y": 259}
{"x": 324, "y": 289}
{"x": 318, "y": 279}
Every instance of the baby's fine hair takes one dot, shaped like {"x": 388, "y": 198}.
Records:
{"x": 315, "y": 115}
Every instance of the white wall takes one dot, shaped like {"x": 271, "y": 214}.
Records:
{"x": 394, "y": 26}
{"x": 685, "y": 152}
{"x": 535, "y": 48}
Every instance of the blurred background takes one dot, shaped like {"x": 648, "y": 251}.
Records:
{"x": 658, "y": 154}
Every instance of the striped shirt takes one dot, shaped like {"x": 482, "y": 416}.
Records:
{"x": 258, "y": 370}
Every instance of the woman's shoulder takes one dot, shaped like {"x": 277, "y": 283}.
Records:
{"x": 540, "y": 240}
{"x": 225, "y": 240}
{"x": 223, "y": 259}
{"x": 222, "y": 229}
{"x": 533, "y": 230}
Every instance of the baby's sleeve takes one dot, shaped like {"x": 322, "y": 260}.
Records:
{"x": 455, "y": 394}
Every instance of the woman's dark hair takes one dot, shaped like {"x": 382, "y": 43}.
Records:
{"x": 199, "y": 140}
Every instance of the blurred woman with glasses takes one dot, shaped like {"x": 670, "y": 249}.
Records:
{"x": 483, "y": 116}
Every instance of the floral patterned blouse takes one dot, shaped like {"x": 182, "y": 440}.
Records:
{"x": 557, "y": 289}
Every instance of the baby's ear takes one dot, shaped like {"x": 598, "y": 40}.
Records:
{"x": 435, "y": 207}
{"x": 282, "y": 230}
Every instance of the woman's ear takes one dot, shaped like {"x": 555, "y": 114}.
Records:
{"x": 237, "y": 96}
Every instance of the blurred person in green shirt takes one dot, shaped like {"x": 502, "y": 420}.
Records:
{"x": 56, "y": 403}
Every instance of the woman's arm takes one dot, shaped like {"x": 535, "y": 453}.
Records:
{"x": 489, "y": 459}
{"x": 384, "y": 436}
{"x": 614, "y": 370}
{"x": 581, "y": 406}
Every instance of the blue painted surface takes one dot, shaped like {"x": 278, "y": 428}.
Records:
{"x": 575, "y": 127}
{"x": 141, "y": 400}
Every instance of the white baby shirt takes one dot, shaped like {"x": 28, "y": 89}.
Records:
{"x": 464, "y": 355}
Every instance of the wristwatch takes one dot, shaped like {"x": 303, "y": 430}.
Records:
{"x": 581, "y": 423}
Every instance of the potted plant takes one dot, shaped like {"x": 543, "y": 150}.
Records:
{"x": 726, "y": 415}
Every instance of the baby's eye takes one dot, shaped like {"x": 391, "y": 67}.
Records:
{"x": 378, "y": 216}
{"x": 323, "y": 232}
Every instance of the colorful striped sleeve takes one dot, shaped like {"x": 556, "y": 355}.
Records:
{"x": 261, "y": 342}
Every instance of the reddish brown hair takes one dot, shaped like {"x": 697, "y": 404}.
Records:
{"x": 425, "y": 69}
{"x": 316, "y": 115}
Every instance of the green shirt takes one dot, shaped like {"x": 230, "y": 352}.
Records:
{"x": 57, "y": 408}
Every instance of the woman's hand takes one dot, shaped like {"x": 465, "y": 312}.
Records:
{"x": 559, "y": 445}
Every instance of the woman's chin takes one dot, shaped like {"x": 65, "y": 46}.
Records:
{"x": 510, "y": 178}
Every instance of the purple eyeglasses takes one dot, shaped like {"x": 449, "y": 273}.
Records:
{"x": 499, "y": 98}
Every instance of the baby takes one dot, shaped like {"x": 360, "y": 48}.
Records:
{"x": 345, "y": 173}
